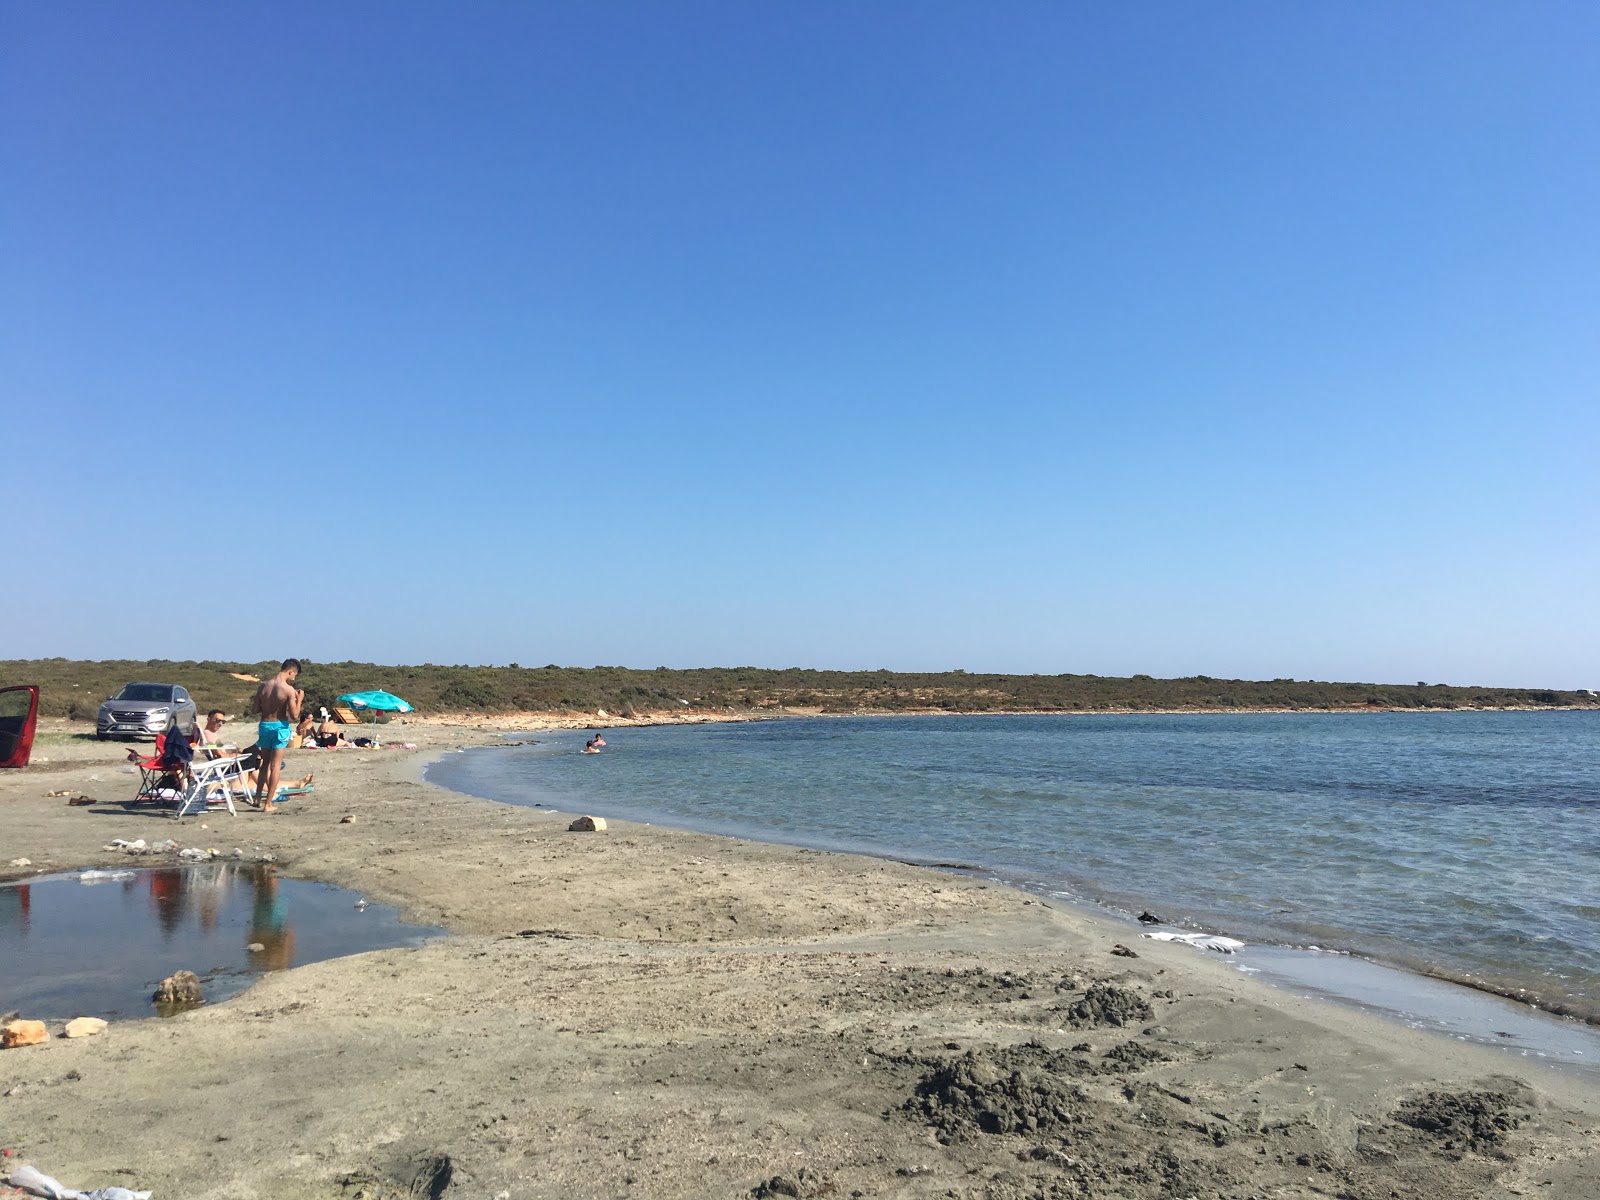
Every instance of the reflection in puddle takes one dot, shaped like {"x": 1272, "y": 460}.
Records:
{"x": 76, "y": 946}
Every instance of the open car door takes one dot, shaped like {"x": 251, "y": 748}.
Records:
{"x": 19, "y": 713}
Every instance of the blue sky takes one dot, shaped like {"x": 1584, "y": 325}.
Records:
{"x": 1248, "y": 340}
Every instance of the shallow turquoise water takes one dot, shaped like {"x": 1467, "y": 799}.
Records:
{"x": 1462, "y": 843}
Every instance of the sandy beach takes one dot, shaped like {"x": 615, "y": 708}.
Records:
{"x": 654, "y": 1013}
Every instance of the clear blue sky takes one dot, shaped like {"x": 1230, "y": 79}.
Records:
{"x": 1247, "y": 340}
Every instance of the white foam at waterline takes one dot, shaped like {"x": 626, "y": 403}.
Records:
{"x": 1200, "y": 941}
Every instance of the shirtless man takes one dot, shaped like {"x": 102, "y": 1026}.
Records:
{"x": 277, "y": 702}
{"x": 209, "y": 735}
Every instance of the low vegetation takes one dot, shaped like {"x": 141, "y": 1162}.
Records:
{"x": 73, "y": 688}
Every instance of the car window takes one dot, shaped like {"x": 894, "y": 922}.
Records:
{"x": 179, "y": 695}
{"x": 145, "y": 691}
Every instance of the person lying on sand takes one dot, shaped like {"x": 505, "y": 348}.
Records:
{"x": 242, "y": 790}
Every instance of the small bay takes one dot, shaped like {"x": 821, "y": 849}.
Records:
{"x": 1463, "y": 844}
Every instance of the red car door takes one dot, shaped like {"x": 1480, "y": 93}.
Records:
{"x": 19, "y": 713}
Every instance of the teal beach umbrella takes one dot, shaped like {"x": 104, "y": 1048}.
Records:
{"x": 375, "y": 702}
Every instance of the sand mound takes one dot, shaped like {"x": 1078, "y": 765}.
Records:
{"x": 1107, "y": 1004}
{"x": 1015, "y": 1089}
{"x": 1471, "y": 1120}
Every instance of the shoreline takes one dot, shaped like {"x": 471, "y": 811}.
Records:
{"x": 1414, "y": 966}
{"x": 664, "y": 1013}
{"x": 532, "y": 721}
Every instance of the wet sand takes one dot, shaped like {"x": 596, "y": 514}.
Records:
{"x": 647, "y": 1012}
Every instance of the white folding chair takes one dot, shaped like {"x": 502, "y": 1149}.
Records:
{"x": 211, "y": 777}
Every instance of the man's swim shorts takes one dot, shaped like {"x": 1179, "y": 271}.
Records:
{"x": 273, "y": 735}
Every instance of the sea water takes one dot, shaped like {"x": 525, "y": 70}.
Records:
{"x": 1461, "y": 844}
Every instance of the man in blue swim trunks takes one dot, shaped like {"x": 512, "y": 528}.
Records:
{"x": 277, "y": 703}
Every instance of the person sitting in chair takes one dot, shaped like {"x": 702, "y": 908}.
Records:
{"x": 208, "y": 737}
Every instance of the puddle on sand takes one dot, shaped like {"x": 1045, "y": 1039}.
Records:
{"x": 99, "y": 949}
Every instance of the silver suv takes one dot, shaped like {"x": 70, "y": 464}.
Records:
{"x": 145, "y": 710}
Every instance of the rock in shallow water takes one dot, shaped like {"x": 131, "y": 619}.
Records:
{"x": 182, "y": 987}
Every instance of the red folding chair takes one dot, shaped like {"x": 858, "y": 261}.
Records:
{"x": 161, "y": 772}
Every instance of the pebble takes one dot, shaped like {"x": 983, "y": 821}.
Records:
{"x": 80, "y": 1027}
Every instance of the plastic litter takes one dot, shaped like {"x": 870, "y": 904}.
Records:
{"x": 125, "y": 844}
{"x": 36, "y": 1183}
{"x": 1200, "y": 941}
{"x": 195, "y": 854}
{"x": 104, "y": 876}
